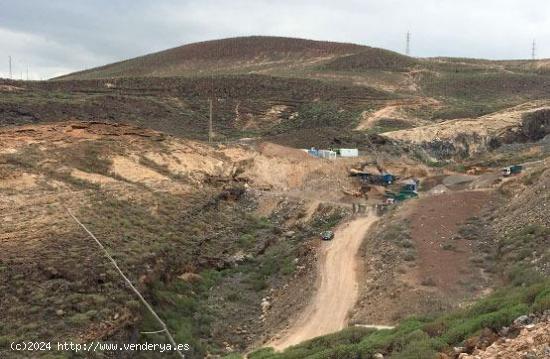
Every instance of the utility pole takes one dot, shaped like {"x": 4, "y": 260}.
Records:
{"x": 210, "y": 122}
{"x": 408, "y": 46}
{"x": 9, "y": 57}
{"x": 27, "y": 72}
{"x": 533, "y": 50}
{"x": 211, "y": 103}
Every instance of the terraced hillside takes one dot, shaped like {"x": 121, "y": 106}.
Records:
{"x": 293, "y": 91}
{"x": 245, "y": 106}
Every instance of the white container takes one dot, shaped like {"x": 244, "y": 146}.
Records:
{"x": 326, "y": 154}
{"x": 349, "y": 152}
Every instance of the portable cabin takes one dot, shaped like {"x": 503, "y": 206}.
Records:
{"x": 326, "y": 154}
{"x": 348, "y": 152}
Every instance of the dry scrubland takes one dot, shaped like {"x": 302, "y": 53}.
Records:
{"x": 222, "y": 238}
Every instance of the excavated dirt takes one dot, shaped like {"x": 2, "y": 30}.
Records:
{"x": 494, "y": 124}
{"x": 433, "y": 225}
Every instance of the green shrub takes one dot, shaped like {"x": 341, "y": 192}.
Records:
{"x": 263, "y": 353}
{"x": 542, "y": 301}
{"x": 233, "y": 356}
{"x": 503, "y": 317}
{"x": 233, "y": 297}
{"x": 246, "y": 240}
{"x": 79, "y": 319}
{"x": 435, "y": 329}
{"x": 520, "y": 275}
{"x": 415, "y": 345}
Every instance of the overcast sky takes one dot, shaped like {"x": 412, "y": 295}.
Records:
{"x": 54, "y": 37}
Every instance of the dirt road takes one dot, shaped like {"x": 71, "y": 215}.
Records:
{"x": 369, "y": 121}
{"x": 337, "y": 287}
{"x": 395, "y": 110}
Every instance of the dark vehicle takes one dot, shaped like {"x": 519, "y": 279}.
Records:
{"x": 384, "y": 179}
{"x": 327, "y": 235}
{"x": 403, "y": 195}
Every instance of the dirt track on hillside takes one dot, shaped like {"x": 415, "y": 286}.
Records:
{"x": 337, "y": 287}
{"x": 395, "y": 110}
{"x": 369, "y": 121}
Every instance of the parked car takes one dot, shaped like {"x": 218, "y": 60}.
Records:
{"x": 327, "y": 235}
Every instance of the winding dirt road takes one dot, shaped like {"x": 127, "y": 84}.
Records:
{"x": 337, "y": 286}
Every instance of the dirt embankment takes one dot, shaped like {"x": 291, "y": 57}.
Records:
{"x": 469, "y": 136}
{"x": 418, "y": 262}
{"x": 337, "y": 286}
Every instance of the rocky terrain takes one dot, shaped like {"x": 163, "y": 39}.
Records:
{"x": 469, "y": 137}
{"x": 527, "y": 337}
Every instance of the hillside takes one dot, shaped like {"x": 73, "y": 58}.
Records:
{"x": 258, "y": 54}
{"x": 247, "y": 106}
{"x": 184, "y": 220}
{"x": 222, "y": 234}
{"x": 287, "y": 90}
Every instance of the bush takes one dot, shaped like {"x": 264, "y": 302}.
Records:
{"x": 542, "y": 301}
{"x": 233, "y": 356}
{"x": 522, "y": 275}
{"x": 246, "y": 240}
{"x": 263, "y": 353}
{"x": 419, "y": 347}
{"x": 79, "y": 319}
{"x": 435, "y": 329}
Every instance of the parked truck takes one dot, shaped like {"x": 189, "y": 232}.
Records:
{"x": 511, "y": 170}
{"x": 383, "y": 179}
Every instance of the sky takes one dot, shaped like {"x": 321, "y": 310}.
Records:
{"x": 54, "y": 37}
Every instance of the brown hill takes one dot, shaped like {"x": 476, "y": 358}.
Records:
{"x": 240, "y": 54}
{"x": 371, "y": 58}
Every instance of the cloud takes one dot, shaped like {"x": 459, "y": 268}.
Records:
{"x": 42, "y": 56}
{"x": 66, "y": 35}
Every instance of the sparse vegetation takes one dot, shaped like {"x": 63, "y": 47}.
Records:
{"x": 424, "y": 337}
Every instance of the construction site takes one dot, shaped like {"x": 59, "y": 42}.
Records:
{"x": 296, "y": 199}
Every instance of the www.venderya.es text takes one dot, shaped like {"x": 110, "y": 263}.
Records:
{"x": 97, "y": 347}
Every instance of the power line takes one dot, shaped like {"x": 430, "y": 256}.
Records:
{"x": 138, "y": 294}
{"x": 211, "y": 103}
{"x": 210, "y": 133}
